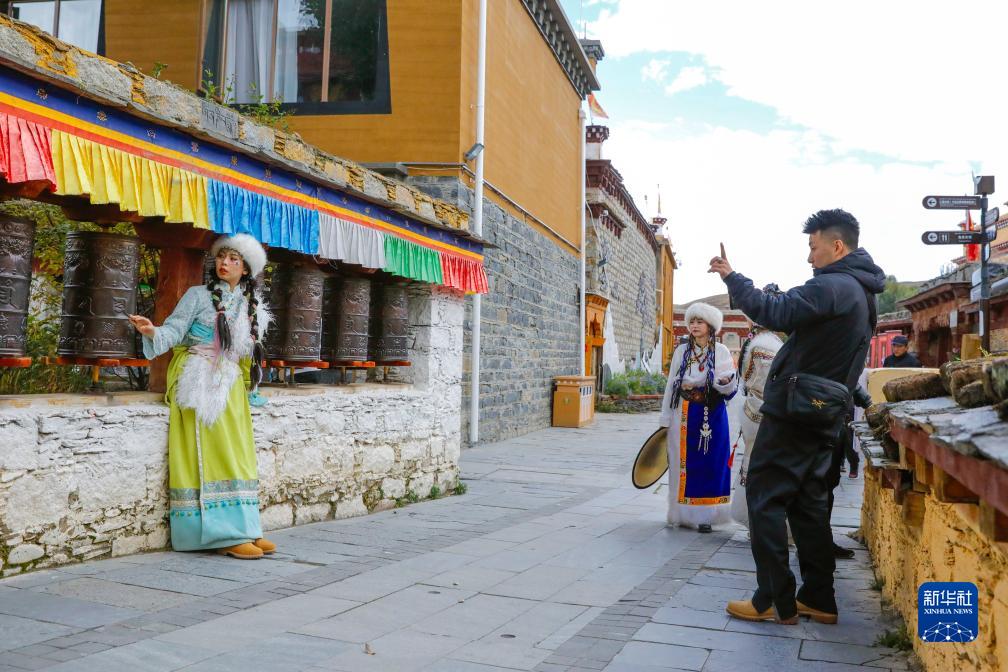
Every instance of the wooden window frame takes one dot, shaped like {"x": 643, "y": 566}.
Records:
{"x": 100, "y": 40}
{"x": 382, "y": 103}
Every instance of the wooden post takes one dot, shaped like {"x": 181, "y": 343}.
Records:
{"x": 178, "y": 270}
{"x": 913, "y": 509}
{"x": 993, "y": 523}
{"x": 180, "y": 267}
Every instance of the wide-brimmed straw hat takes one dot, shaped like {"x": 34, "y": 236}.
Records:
{"x": 652, "y": 460}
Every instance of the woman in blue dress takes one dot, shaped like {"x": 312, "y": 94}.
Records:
{"x": 702, "y": 379}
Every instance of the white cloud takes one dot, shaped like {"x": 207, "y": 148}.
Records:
{"x": 656, "y": 70}
{"x": 688, "y": 78}
{"x": 910, "y": 80}
{"x": 753, "y": 192}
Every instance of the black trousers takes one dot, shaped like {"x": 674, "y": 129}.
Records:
{"x": 788, "y": 480}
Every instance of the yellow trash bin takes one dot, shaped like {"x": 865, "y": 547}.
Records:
{"x": 573, "y": 401}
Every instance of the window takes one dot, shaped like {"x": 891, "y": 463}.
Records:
{"x": 78, "y": 22}
{"x": 315, "y": 56}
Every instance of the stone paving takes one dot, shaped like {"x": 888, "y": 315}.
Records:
{"x": 551, "y": 562}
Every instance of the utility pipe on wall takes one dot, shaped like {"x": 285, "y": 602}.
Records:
{"x": 584, "y": 204}
{"x": 477, "y": 224}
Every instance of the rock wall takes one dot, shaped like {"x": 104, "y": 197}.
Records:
{"x": 530, "y": 319}
{"x": 946, "y": 546}
{"x": 84, "y": 477}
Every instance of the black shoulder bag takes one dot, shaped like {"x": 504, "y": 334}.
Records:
{"x": 813, "y": 401}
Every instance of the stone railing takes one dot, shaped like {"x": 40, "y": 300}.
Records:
{"x": 936, "y": 503}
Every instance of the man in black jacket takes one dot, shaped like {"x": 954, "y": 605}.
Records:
{"x": 829, "y": 321}
{"x": 901, "y": 357}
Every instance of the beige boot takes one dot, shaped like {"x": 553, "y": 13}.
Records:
{"x": 265, "y": 545}
{"x": 246, "y": 551}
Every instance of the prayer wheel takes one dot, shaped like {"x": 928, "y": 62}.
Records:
{"x": 17, "y": 238}
{"x": 299, "y": 325}
{"x": 330, "y": 300}
{"x": 353, "y": 312}
{"x": 389, "y": 323}
{"x": 99, "y": 293}
{"x": 277, "y": 280}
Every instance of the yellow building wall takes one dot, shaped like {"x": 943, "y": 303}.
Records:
{"x": 149, "y": 32}
{"x": 533, "y": 132}
{"x": 666, "y": 307}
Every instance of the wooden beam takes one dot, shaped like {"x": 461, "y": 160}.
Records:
{"x": 156, "y": 233}
{"x": 949, "y": 490}
{"x": 913, "y": 509}
{"x": 922, "y": 473}
{"x": 993, "y": 523}
{"x": 179, "y": 269}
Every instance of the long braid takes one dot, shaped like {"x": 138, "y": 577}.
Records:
{"x": 216, "y": 296}
{"x": 258, "y": 354}
{"x": 677, "y": 383}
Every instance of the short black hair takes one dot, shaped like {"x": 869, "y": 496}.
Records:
{"x": 838, "y": 223}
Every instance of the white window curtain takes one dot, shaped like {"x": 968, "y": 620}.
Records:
{"x": 290, "y": 21}
{"x": 249, "y": 35}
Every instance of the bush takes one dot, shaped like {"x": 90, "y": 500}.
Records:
{"x": 635, "y": 381}
{"x": 617, "y": 386}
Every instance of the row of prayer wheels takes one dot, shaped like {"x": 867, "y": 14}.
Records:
{"x": 335, "y": 318}
{"x": 317, "y": 316}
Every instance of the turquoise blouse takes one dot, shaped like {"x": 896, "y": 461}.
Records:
{"x": 192, "y": 321}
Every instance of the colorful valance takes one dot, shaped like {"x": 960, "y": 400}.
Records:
{"x": 77, "y": 146}
{"x": 232, "y": 209}
{"x": 25, "y": 153}
{"x": 135, "y": 184}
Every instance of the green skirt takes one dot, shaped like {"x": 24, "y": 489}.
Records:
{"x": 214, "y": 502}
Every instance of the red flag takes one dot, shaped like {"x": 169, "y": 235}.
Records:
{"x": 972, "y": 251}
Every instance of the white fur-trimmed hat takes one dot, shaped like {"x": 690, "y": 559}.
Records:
{"x": 707, "y": 313}
{"x": 250, "y": 249}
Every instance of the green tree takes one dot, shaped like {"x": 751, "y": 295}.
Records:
{"x": 895, "y": 291}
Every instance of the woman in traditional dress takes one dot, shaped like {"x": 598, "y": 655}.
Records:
{"x": 699, "y": 445}
{"x": 215, "y": 332}
{"x": 758, "y": 352}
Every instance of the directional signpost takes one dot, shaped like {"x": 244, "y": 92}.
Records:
{"x": 983, "y": 186}
{"x": 952, "y": 202}
{"x": 952, "y": 237}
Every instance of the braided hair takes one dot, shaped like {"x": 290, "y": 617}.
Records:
{"x": 249, "y": 285}
{"x": 216, "y": 296}
{"x": 258, "y": 352}
{"x": 684, "y": 365}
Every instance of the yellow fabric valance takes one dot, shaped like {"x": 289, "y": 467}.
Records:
{"x": 136, "y": 184}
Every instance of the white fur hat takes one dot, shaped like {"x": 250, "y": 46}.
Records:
{"x": 707, "y": 313}
{"x": 250, "y": 249}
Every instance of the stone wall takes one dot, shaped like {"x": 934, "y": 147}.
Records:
{"x": 629, "y": 281}
{"x": 530, "y": 318}
{"x": 946, "y": 546}
{"x": 84, "y": 477}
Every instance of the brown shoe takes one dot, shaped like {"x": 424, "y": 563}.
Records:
{"x": 265, "y": 545}
{"x": 745, "y": 610}
{"x": 816, "y": 615}
{"x": 246, "y": 551}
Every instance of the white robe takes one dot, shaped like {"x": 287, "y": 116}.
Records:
{"x": 724, "y": 367}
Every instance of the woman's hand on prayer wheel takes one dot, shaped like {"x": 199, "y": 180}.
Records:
{"x": 142, "y": 324}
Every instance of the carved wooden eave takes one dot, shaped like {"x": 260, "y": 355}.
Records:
{"x": 559, "y": 34}
{"x": 950, "y": 292}
{"x": 606, "y": 191}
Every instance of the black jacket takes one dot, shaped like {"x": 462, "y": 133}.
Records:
{"x": 829, "y": 320}
{"x": 907, "y": 361}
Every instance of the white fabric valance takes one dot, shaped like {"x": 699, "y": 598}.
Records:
{"x": 350, "y": 242}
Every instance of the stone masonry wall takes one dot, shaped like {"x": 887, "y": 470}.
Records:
{"x": 530, "y": 319}
{"x": 629, "y": 281}
{"x": 84, "y": 477}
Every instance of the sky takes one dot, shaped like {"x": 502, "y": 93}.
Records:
{"x": 752, "y": 116}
